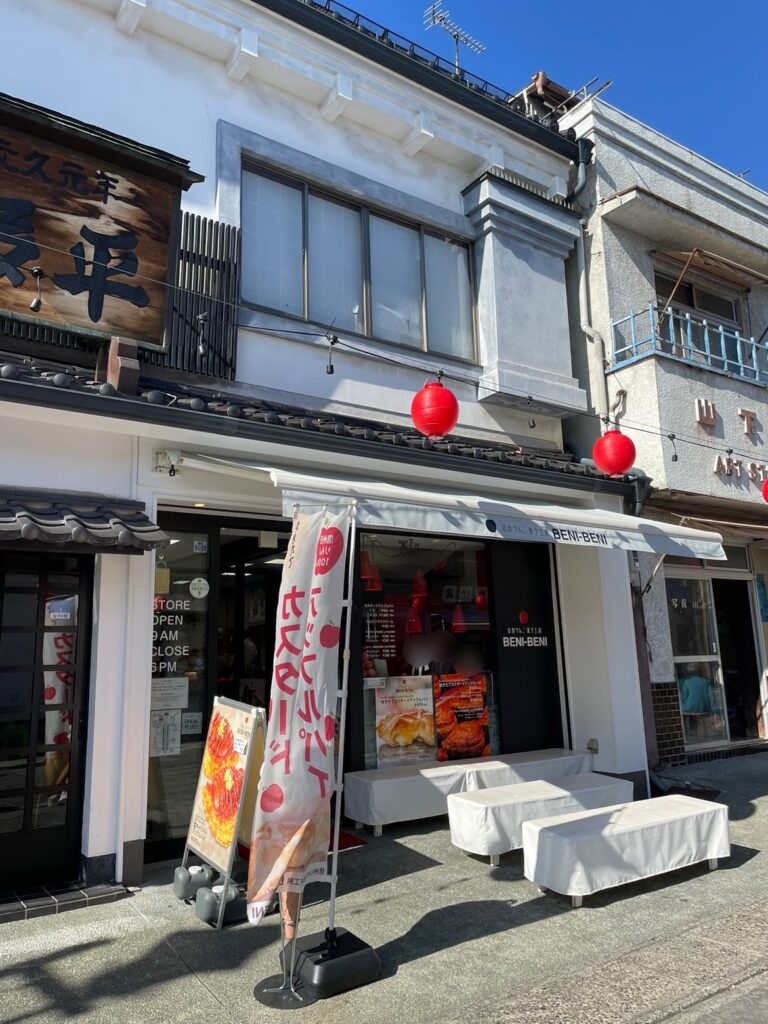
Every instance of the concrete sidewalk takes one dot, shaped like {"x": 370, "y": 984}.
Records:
{"x": 458, "y": 941}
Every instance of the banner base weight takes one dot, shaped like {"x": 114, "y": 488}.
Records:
{"x": 326, "y": 965}
{"x": 273, "y": 993}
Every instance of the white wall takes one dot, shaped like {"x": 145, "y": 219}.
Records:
{"x": 600, "y": 657}
{"x": 170, "y": 75}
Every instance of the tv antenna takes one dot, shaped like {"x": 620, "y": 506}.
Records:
{"x": 435, "y": 15}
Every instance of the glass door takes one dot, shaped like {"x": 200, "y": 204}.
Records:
{"x": 697, "y": 661}
{"x": 44, "y": 653}
{"x": 216, "y": 589}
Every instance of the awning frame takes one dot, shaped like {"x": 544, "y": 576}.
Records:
{"x": 384, "y": 505}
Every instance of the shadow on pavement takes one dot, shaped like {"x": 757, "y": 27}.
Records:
{"x": 452, "y": 926}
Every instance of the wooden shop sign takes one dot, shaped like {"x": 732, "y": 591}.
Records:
{"x": 93, "y": 236}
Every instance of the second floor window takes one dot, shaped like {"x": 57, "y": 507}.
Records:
{"x": 315, "y": 256}
{"x": 703, "y": 304}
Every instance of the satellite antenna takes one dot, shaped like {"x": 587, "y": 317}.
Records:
{"x": 435, "y": 15}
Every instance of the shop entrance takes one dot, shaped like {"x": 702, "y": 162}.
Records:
{"x": 216, "y": 590}
{"x": 45, "y": 602}
{"x": 737, "y": 656}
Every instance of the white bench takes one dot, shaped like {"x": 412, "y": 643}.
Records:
{"x": 489, "y": 822}
{"x": 383, "y": 796}
{"x": 579, "y": 854}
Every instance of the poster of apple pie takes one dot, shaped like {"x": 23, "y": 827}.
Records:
{"x": 222, "y": 781}
{"x": 461, "y": 716}
{"x": 405, "y": 723}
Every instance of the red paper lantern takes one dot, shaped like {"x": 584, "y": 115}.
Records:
{"x": 764, "y": 490}
{"x": 434, "y": 410}
{"x": 614, "y": 453}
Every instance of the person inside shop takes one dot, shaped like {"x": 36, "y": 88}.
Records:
{"x": 696, "y": 692}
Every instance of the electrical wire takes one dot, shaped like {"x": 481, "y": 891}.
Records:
{"x": 399, "y": 361}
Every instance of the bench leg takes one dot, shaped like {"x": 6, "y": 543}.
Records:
{"x": 377, "y": 831}
{"x": 576, "y": 901}
{"x": 713, "y": 863}
{"x": 494, "y": 860}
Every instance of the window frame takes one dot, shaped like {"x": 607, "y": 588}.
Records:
{"x": 309, "y": 188}
{"x": 734, "y": 296}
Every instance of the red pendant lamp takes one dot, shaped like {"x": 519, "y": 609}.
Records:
{"x": 375, "y": 583}
{"x": 614, "y": 453}
{"x": 413, "y": 624}
{"x": 367, "y": 571}
{"x": 764, "y": 490}
{"x": 434, "y": 410}
{"x": 458, "y": 622}
{"x": 419, "y": 588}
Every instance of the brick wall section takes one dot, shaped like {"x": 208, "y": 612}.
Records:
{"x": 669, "y": 724}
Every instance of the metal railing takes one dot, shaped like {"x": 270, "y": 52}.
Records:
{"x": 694, "y": 340}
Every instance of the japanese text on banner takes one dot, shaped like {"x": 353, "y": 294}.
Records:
{"x": 292, "y": 821}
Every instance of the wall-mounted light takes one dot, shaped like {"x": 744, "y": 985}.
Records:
{"x": 36, "y": 303}
{"x": 201, "y": 320}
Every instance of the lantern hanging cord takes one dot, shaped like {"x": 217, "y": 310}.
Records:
{"x": 477, "y": 382}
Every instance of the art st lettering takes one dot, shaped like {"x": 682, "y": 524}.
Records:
{"x": 725, "y": 464}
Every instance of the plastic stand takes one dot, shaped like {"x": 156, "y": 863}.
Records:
{"x": 208, "y": 905}
{"x": 334, "y": 961}
{"x": 188, "y": 880}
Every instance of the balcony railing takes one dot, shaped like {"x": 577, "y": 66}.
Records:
{"x": 691, "y": 339}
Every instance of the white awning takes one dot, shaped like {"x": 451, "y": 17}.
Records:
{"x": 388, "y": 506}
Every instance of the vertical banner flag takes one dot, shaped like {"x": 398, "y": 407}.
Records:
{"x": 291, "y": 826}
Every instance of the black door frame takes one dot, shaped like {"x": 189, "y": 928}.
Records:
{"x": 62, "y": 843}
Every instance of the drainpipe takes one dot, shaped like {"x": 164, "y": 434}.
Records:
{"x": 585, "y": 157}
{"x": 598, "y": 350}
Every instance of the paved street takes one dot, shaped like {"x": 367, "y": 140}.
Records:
{"x": 458, "y": 942}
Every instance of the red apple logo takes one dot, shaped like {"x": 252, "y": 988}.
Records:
{"x": 523, "y": 617}
{"x": 329, "y": 549}
{"x": 272, "y": 798}
{"x": 329, "y": 635}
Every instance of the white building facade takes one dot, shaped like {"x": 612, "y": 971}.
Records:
{"x": 671, "y": 332}
{"x": 416, "y": 222}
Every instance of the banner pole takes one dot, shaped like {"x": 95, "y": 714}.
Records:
{"x": 343, "y": 721}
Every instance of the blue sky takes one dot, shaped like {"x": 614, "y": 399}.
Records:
{"x": 695, "y": 71}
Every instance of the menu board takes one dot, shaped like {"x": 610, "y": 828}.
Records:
{"x": 379, "y": 634}
{"x": 405, "y": 724}
{"x": 223, "y": 777}
{"x": 461, "y": 716}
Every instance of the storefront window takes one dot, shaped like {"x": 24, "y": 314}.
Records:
{"x": 428, "y": 688}
{"x": 760, "y": 562}
{"x": 179, "y": 682}
{"x": 697, "y": 662}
